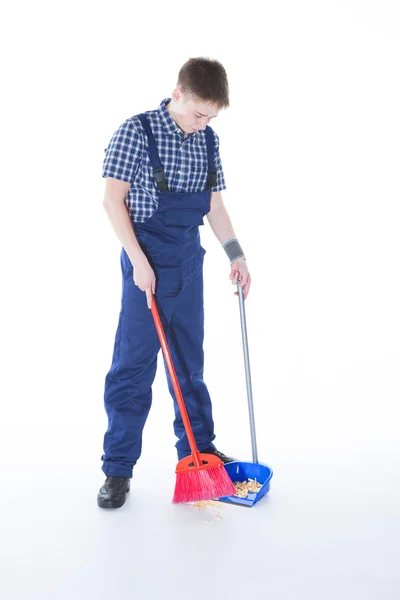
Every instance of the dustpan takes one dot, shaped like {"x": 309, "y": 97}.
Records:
{"x": 238, "y": 470}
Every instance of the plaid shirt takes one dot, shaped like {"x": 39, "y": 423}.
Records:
{"x": 184, "y": 160}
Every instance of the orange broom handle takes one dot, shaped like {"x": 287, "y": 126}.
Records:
{"x": 175, "y": 383}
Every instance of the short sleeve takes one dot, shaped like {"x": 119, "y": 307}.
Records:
{"x": 218, "y": 166}
{"x": 123, "y": 153}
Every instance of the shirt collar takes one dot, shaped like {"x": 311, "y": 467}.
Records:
{"x": 169, "y": 124}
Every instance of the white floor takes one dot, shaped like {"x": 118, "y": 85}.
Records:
{"x": 329, "y": 529}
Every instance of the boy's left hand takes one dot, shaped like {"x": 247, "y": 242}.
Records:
{"x": 240, "y": 271}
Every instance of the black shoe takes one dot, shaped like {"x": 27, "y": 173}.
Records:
{"x": 225, "y": 459}
{"x": 112, "y": 493}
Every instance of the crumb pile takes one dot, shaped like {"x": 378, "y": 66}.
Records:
{"x": 202, "y": 504}
{"x": 205, "y": 504}
{"x": 244, "y": 487}
{"x": 242, "y": 490}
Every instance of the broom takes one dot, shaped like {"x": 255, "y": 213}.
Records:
{"x": 198, "y": 476}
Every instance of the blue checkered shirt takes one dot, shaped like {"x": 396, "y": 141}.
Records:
{"x": 184, "y": 160}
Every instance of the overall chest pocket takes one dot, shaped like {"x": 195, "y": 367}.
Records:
{"x": 184, "y": 217}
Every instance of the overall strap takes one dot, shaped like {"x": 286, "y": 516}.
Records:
{"x": 158, "y": 170}
{"x": 211, "y": 173}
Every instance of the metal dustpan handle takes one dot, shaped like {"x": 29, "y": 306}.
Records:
{"x": 248, "y": 376}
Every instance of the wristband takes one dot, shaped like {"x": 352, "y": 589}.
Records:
{"x": 233, "y": 249}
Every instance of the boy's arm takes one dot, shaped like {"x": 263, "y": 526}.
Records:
{"x": 219, "y": 219}
{"x": 115, "y": 207}
{"x": 221, "y": 225}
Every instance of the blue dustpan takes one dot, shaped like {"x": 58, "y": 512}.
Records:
{"x": 242, "y": 471}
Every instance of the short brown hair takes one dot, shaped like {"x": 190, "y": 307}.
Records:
{"x": 206, "y": 79}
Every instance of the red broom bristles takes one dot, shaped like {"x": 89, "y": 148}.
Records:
{"x": 203, "y": 484}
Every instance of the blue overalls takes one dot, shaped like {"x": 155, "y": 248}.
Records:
{"x": 171, "y": 241}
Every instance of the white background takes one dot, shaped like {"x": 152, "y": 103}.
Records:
{"x": 310, "y": 149}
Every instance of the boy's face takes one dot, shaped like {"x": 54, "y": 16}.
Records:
{"x": 191, "y": 113}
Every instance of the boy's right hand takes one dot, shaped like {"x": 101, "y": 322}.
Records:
{"x": 144, "y": 278}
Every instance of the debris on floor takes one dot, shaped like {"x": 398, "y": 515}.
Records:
{"x": 243, "y": 488}
{"x": 202, "y": 504}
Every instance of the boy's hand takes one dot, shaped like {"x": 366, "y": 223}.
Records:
{"x": 240, "y": 271}
{"x": 144, "y": 278}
